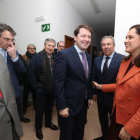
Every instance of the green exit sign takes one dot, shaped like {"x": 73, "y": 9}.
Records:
{"x": 45, "y": 27}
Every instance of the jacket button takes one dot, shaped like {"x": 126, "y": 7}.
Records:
{"x": 129, "y": 113}
{"x": 129, "y": 99}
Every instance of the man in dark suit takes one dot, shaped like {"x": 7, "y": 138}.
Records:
{"x": 105, "y": 71}
{"x": 72, "y": 85}
{"x": 60, "y": 47}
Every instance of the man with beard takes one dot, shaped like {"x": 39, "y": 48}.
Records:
{"x": 31, "y": 50}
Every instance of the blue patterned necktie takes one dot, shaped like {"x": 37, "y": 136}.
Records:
{"x": 4, "y": 55}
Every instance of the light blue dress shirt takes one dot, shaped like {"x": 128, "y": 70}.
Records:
{"x": 108, "y": 63}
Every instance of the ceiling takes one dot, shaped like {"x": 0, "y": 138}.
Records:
{"x": 102, "y": 22}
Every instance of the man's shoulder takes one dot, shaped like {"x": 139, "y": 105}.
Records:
{"x": 24, "y": 57}
{"x": 119, "y": 55}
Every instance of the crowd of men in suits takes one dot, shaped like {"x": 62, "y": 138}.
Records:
{"x": 63, "y": 75}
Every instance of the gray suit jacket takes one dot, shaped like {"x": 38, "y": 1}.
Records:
{"x": 8, "y": 105}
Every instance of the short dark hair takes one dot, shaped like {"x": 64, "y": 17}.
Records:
{"x": 137, "y": 58}
{"x": 4, "y": 27}
{"x": 76, "y": 31}
{"x": 58, "y": 42}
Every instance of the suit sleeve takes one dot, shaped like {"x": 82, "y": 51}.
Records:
{"x": 19, "y": 66}
{"x": 31, "y": 73}
{"x": 108, "y": 87}
{"x": 59, "y": 76}
{"x": 94, "y": 77}
{"x": 133, "y": 125}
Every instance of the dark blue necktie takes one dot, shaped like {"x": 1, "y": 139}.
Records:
{"x": 105, "y": 68}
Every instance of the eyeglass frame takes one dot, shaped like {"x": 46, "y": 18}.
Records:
{"x": 31, "y": 48}
{"x": 8, "y": 39}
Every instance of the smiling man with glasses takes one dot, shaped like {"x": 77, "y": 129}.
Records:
{"x": 10, "y": 65}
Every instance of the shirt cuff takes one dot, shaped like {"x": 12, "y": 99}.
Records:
{"x": 15, "y": 59}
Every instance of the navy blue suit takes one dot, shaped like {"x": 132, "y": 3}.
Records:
{"x": 70, "y": 88}
{"x": 14, "y": 67}
{"x": 105, "y": 100}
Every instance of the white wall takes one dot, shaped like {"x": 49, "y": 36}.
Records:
{"x": 20, "y": 15}
{"x": 127, "y": 15}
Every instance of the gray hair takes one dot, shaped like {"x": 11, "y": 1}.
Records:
{"x": 111, "y": 37}
{"x": 4, "y": 27}
{"x": 31, "y": 45}
{"x": 49, "y": 40}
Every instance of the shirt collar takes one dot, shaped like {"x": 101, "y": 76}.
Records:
{"x": 109, "y": 56}
{"x": 77, "y": 49}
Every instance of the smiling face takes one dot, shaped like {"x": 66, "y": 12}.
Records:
{"x": 83, "y": 39}
{"x": 3, "y": 43}
{"x": 108, "y": 46}
{"x": 132, "y": 42}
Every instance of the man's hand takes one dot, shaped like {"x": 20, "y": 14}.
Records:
{"x": 90, "y": 103}
{"x": 124, "y": 135}
{"x": 94, "y": 97}
{"x": 64, "y": 112}
{"x": 12, "y": 50}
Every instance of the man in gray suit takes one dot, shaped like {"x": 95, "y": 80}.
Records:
{"x": 9, "y": 120}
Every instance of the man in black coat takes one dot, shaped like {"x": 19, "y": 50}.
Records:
{"x": 40, "y": 73}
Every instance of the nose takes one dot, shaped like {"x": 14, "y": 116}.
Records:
{"x": 126, "y": 40}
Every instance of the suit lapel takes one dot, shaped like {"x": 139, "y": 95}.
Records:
{"x": 89, "y": 65}
{"x": 100, "y": 62}
{"x": 113, "y": 61}
{"x": 134, "y": 70}
{"x": 1, "y": 100}
{"x": 77, "y": 60}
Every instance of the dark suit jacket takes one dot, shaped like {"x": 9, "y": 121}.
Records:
{"x": 14, "y": 67}
{"x": 69, "y": 80}
{"x": 55, "y": 51}
{"x": 109, "y": 78}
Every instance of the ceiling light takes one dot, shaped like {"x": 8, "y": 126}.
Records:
{"x": 95, "y": 6}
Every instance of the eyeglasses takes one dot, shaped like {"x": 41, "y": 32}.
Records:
{"x": 32, "y": 48}
{"x": 8, "y": 39}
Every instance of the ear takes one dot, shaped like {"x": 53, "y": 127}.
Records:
{"x": 74, "y": 37}
{"x": 114, "y": 46}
